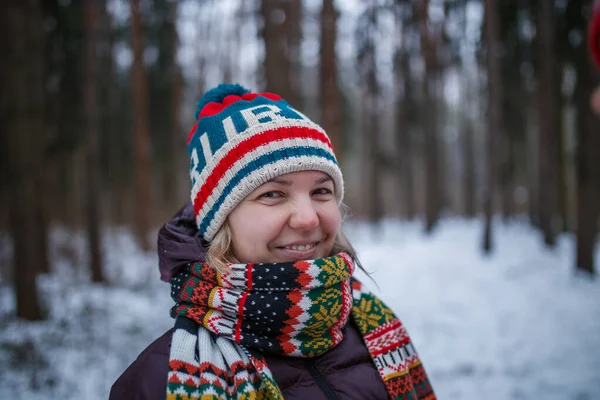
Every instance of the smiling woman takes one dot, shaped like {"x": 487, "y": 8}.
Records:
{"x": 265, "y": 303}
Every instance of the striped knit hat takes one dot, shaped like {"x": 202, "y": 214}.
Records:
{"x": 240, "y": 141}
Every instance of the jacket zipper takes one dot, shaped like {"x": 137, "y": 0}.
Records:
{"x": 321, "y": 381}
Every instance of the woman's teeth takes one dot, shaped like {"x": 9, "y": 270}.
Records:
{"x": 301, "y": 247}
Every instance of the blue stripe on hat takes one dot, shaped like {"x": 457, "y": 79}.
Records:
{"x": 213, "y": 124}
{"x": 269, "y": 158}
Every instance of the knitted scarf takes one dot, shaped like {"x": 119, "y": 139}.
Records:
{"x": 225, "y": 322}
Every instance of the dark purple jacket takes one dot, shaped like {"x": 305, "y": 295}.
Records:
{"x": 345, "y": 372}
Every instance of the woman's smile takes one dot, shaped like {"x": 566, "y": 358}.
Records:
{"x": 299, "y": 251}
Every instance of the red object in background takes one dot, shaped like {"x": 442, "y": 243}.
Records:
{"x": 594, "y": 33}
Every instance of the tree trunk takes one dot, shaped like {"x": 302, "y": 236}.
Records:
{"x": 367, "y": 66}
{"x": 549, "y": 121}
{"x": 330, "y": 93}
{"x": 165, "y": 84}
{"x": 494, "y": 117}
{"x": 468, "y": 153}
{"x": 376, "y": 206}
{"x": 22, "y": 108}
{"x": 293, "y": 12}
{"x": 176, "y": 145}
{"x": 563, "y": 178}
{"x": 405, "y": 106}
{"x": 588, "y": 143}
{"x": 507, "y": 175}
{"x": 119, "y": 168}
{"x": 90, "y": 112}
{"x": 70, "y": 125}
{"x": 277, "y": 66}
{"x": 588, "y": 176}
{"x": 41, "y": 211}
{"x": 467, "y": 136}
{"x": 373, "y": 109}
{"x": 510, "y": 78}
{"x": 141, "y": 131}
{"x": 429, "y": 119}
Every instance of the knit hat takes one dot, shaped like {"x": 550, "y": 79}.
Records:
{"x": 242, "y": 140}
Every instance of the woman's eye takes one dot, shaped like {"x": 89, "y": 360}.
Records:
{"x": 270, "y": 195}
{"x": 322, "y": 191}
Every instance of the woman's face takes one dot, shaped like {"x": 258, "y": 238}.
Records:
{"x": 292, "y": 217}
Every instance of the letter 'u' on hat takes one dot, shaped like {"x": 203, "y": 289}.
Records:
{"x": 242, "y": 140}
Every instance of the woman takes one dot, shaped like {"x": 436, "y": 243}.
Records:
{"x": 261, "y": 274}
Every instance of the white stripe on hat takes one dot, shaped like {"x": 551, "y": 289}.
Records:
{"x": 247, "y": 158}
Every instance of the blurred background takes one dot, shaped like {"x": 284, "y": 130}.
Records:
{"x": 463, "y": 128}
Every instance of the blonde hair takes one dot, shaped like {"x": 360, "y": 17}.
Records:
{"x": 220, "y": 249}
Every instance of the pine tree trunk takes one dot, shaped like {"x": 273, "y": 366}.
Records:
{"x": 588, "y": 143}
{"x": 588, "y": 175}
{"x": 330, "y": 93}
{"x": 141, "y": 130}
{"x": 376, "y": 206}
{"x": 494, "y": 118}
{"x": 563, "y": 179}
{"x": 503, "y": 185}
{"x": 549, "y": 121}
{"x": 276, "y": 65}
{"x": 119, "y": 167}
{"x": 167, "y": 84}
{"x": 177, "y": 145}
{"x": 293, "y": 12}
{"x": 371, "y": 96}
{"x": 21, "y": 26}
{"x": 429, "y": 119}
{"x": 41, "y": 211}
{"x": 532, "y": 149}
{"x": 404, "y": 121}
{"x": 468, "y": 153}
{"x": 70, "y": 124}
{"x": 467, "y": 136}
{"x": 90, "y": 112}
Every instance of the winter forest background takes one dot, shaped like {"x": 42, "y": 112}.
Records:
{"x": 463, "y": 128}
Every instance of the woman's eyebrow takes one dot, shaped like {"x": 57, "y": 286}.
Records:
{"x": 280, "y": 181}
{"x": 285, "y": 182}
{"x": 323, "y": 180}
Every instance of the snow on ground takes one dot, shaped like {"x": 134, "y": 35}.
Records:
{"x": 517, "y": 325}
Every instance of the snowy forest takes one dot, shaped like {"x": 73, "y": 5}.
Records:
{"x": 465, "y": 130}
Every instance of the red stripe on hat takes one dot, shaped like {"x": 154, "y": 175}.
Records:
{"x": 246, "y": 147}
{"x": 270, "y": 96}
{"x": 215, "y": 107}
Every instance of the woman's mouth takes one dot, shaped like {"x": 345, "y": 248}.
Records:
{"x": 301, "y": 247}
{"x": 299, "y": 251}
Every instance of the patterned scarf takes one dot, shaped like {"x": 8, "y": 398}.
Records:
{"x": 224, "y": 322}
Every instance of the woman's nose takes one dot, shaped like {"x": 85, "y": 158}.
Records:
{"x": 304, "y": 215}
